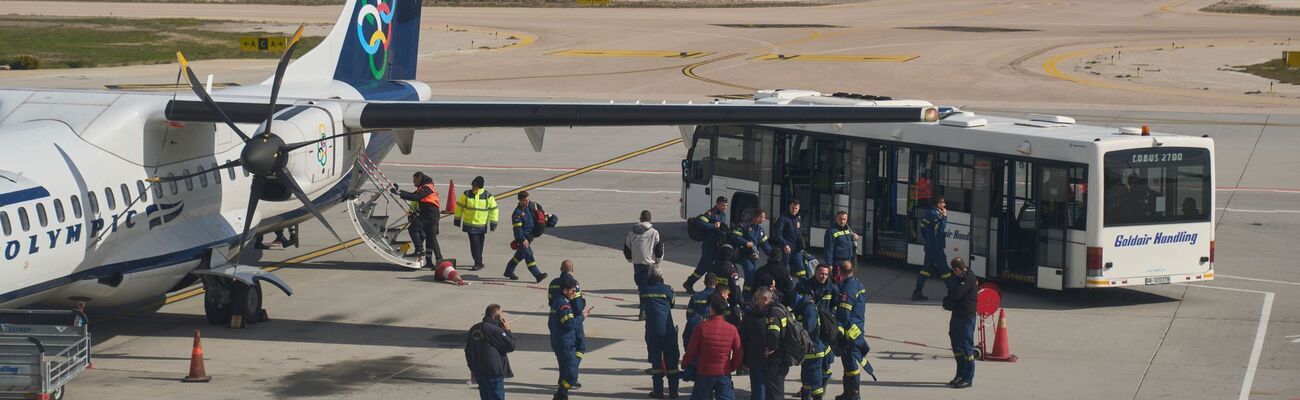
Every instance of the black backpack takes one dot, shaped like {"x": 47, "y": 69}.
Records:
{"x": 541, "y": 221}
{"x": 827, "y": 326}
{"x": 795, "y": 342}
{"x": 695, "y": 232}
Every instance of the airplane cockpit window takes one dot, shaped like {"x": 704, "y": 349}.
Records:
{"x": 216, "y": 174}
{"x": 76, "y": 206}
{"x": 189, "y": 182}
{"x": 203, "y": 177}
{"x": 139, "y": 187}
{"x": 4, "y": 223}
{"x": 23, "y": 221}
{"x": 108, "y": 198}
{"x": 126, "y": 195}
{"x": 174, "y": 190}
{"x": 58, "y": 210}
{"x": 40, "y": 215}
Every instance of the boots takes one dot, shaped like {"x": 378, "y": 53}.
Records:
{"x": 918, "y": 296}
{"x": 689, "y": 285}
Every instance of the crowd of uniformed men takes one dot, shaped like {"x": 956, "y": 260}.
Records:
{"x": 795, "y": 311}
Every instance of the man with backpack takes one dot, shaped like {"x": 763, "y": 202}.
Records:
{"x": 851, "y": 313}
{"x": 824, "y": 293}
{"x": 709, "y": 229}
{"x": 750, "y": 240}
{"x": 821, "y": 331}
{"x": 773, "y": 342}
{"x": 525, "y": 222}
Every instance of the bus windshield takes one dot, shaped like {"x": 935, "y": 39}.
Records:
{"x": 1157, "y": 186}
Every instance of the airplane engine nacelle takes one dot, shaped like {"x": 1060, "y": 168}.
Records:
{"x": 313, "y": 166}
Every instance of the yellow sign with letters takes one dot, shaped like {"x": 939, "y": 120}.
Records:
{"x": 274, "y": 44}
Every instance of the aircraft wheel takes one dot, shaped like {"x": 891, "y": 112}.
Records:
{"x": 217, "y": 295}
{"x": 248, "y": 302}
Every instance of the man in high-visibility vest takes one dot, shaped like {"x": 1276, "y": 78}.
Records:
{"x": 423, "y": 215}
{"x": 476, "y": 214}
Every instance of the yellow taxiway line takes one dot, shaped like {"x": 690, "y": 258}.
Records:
{"x": 629, "y": 53}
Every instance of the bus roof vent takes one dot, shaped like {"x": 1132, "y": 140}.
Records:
{"x": 1128, "y": 130}
{"x": 962, "y": 121}
{"x": 1058, "y": 119}
{"x": 860, "y": 96}
{"x": 784, "y": 94}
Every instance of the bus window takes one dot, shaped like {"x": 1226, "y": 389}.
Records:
{"x": 921, "y": 195}
{"x": 736, "y": 156}
{"x": 956, "y": 179}
{"x": 698, "y": 167}
{"x": 1159, "y": 185}
{"x": 1078, "y": 207}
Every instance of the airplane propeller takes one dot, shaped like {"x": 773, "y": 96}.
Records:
{"x": 265, "y": 155}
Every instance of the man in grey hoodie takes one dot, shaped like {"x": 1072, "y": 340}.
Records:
{"x": 643, "y": 249}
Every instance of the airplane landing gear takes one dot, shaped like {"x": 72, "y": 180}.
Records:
{"x": 224, "y": 298}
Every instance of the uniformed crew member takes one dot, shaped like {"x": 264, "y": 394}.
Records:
{"x": 563, "y": 324}
{"x": 840, "y": 240}
{"x": 761, "y": 333}
{"x": 661, "y": 335}
{"x": 812, "y": 372}
{"x": 426, "y": 209}
{"x": 476, "y": 214}
{"x": 697, "y": 311}
{"x": 750, "y": 240}
{"x": 961, "y": 300}
{"x": 851, "y": 312}
{"x": 486, "y": 347}
{"x": 712, "y": 222}
{"x": 787, "y": 236}
{"x": 825, "y": 293}
{"x": 523, "y": 219}
{"x": 554, "y": 289}
{"x": 726, "y": 272}
{"x": 933, "y": 230}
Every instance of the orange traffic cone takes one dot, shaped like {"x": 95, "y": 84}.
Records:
{"x": 197, "y": 374}
{"x": 1001, "y": 346}
{"x": 451, "y": 197}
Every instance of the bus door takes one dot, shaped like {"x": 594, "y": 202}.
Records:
{"x": 863, "y": 162}
{"x": 1057, "y": 186}
{"x": 891, "y": 214}
{"x": 829, "y": 187}
{"x": 985, "y": 190}
{"x": 1017, "y": 224}
{"x": 697, "y": 174}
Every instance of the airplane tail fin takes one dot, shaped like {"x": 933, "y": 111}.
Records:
{"x": 373, "y": 43}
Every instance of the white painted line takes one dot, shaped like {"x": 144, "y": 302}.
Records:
{"x": 1260, "y": 190}
{"x": 1259, "y": 211}
{"x": 594, "y": 190}
{"x": 1293, "y": 338}
{"x": 1257, "y": 280}
{"x": 1262, "y": 330}
{"x": 526, "y": 168}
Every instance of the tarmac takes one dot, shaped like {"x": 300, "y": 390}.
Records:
{"x": 359, "y": 329}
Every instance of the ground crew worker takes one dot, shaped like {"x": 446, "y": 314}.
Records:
{"x": 425, "y": 208}
{"x": 761, "y": 332}
{"x": 711, "y": 222}
{"x": 554, "y": 289}
{"x": 476, "y": 214}
{"x": 851, "y": 312}
{"x": 698, "y": 309}
{"x": 750, "y": 240}
{"x": 934, "y": 228}
{"x": 715, "y": 352}
{"x": 485, "y": 352}
{"x": 825, "y": 293}
{"x": 961, "y": 300}
{"x": 524, "y": 220}
{"x": 643, "y": 249}
{"x": 840, "y": 240}
{"x": 661, "y": 335}
{"x": 787, "y": 236}
{"x": 563, "y": 325}
{"x": 812, "y": 371}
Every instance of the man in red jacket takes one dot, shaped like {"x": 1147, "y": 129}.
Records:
{"x": 715, "y": 352}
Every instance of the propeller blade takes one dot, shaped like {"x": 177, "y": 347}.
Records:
{"x": 287, "y": 180}
{"x": 279, "y": 75}
{"x": 158, "y": 179}
{"x": 295, "y": 146}
{"x": 254, "y": 194}
{"x": 203, "y": 95}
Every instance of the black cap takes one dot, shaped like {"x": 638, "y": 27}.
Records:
{"x": 478, "y": 181}
{"x": 721, "y": 199}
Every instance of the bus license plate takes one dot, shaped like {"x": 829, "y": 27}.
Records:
{"x": 1160, "y": 280}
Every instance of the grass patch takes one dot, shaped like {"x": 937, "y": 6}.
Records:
{"x": 1274, "y": 70}
{"x": 1239, "y": 7}
{"x": 104, "y": 42}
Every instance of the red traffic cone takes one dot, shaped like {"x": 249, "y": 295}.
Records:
{"x": 197, "y": 373}
{"x": 451, "y": 197}
{"x": 1001, "y": 346}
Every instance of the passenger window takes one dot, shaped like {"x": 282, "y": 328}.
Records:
{"x": 173, "y": 183}
{"x": 230, "y": 171}
{"x": 108, "y": 198}
{"x": 126, "y": 195}
{"x": 76, "y": 206}
{"x": 139, "y": 187}
{"x": 94, "y": 203}
{"x": 203, "y": 177}
{"x": 58, "y": 210}
{"x": 4, "y": 223}
{"x": 22, "y": 219}
{"x": 216, "y": 174}
{"x": 189, "y": 182}
{"x": 157, "y": 191}
{"x": 40, "y": 215}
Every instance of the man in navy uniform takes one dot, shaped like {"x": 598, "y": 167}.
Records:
{"x": 851, "y": 312}
{"x": 840, "y": 241}
{"x": 524, "y": 220}
{"x": 750, "y": 240}
{"x": 961, "y": 300}
{"x": 578, "y": 303}
{"x": 787, "y": 236}
{"x": 564, "y": 325}
{"x": 934, "y": 228}
{"x": 711, "y": 222}
{"x": 660, "y": 335}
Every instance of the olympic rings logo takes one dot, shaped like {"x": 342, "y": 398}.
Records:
{"x": 380, "y": 17}
{"x": 322, "y": 149}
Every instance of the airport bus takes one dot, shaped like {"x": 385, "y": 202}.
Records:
{"x": 1038, "y": 200}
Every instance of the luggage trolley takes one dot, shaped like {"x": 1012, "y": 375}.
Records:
{"x": 40, "y": 351}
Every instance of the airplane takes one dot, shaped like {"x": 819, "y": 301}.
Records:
{"x": 113, "y": 199}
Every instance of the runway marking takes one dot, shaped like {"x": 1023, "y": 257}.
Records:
{"x": 1170, "y": 6}
{"x": 525, "y": 39}
{"x": 1249, "y": 189}
{"x": 1260, "y": 332}
{"x": 524, "y": 168}
{"x": 1293, "y": 338}
{"x": 1258, "y": 280}
{"x": 1259, "y": 211}
{"x": 630, "y": 53}
{"x": 1050, "y": 68}
{"x": 835, "y": 57}
{"x": 689, "y": 71}
{"x": 501, "y": 196}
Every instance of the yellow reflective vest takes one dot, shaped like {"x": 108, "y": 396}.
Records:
{"x": 474, "y": 211}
